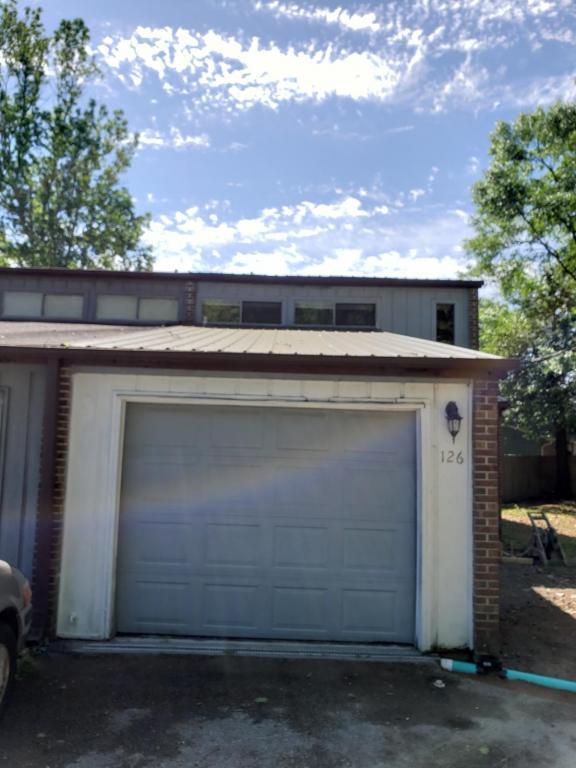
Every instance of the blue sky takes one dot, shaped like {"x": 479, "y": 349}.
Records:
{"x": 319, "y": 137}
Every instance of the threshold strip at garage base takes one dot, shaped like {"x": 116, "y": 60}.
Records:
{"x": 257, "y": 648}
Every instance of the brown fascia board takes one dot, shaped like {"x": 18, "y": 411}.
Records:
{"x": 221, "y": 277}
{"x": 267, "y": 363}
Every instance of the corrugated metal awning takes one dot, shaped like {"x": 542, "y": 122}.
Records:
{"x": 233, "y": 341}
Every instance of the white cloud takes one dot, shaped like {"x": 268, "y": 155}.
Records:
{"x": 174, "y": 139}
{"x": 229, "y": 73}
{"x": 467, "y": 86}
{"x": 472, "y": 166}
{"x": 541, "y": 91}
{"x": 284, "y": 260}
{"x": 431, "y": 54}
{"x": 386, "y": 264}
{"x": 342, "y": 236}
{"x": 304, "y": 220}
{"x": 355, "y": 21}
{"x": 400, "y": 129}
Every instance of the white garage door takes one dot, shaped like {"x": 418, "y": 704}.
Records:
{"x": 267, "y": 523}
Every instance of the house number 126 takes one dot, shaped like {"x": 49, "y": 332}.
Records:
{"x": 451, "y": 457}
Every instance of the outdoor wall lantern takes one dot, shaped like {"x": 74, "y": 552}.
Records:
{"x": 453, "y": 418}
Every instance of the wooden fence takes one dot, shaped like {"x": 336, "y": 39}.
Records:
{"x": 525, "y": 478}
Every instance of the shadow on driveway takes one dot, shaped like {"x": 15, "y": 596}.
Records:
{"x": 230, "y": 712}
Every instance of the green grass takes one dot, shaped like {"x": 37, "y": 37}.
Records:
{"x": 516, "y": 525}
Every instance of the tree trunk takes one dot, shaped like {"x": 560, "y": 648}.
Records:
{"x": 563, "y": 488}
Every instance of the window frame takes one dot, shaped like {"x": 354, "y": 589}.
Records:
{"x": 158, "y": 298}
{"x": 77, "y": 318}
{"x": 333, "y": 302}
{"x": 274, "y": 324}
{"x": 115, "y": 319}
{"x": 374, "y": 304}
{"x": 328, "y": 304}
{"x": 225, "y": 302}
{"x": 240, "y": 304}
{"x": 42, "y": 316}
{"x": 136, "y": 320}
{"x": 437, "y": 305}
{"x": 11, "y": 316}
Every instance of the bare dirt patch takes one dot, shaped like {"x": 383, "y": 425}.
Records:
{"x": 538, "y": 607}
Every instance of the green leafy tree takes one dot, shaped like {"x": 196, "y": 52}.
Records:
{"x": 525, "y": 218}
{"x": 61, "y": 154}
{"x": 503, "y": 329}
{"x": 525, "y": 242}
{"x": 542, "y": 393}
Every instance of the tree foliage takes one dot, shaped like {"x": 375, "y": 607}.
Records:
{"x": 504, "y": 330}
{"x": 525, "y": 220}
{"x": 542, "y": 393}
{"x": 61, "y": 154}
{"x": 525, "y": 241}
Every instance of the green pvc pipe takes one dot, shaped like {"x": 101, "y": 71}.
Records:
{"x": 549, "y": 682}
{"x": 512, "y": 674}
{"x": 450, "y": 665}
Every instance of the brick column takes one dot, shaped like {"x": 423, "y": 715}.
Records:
{"x": 486, "y": 515}
{"x": 190, "y": 289}
{"x": 473, "y": 326}
{"x": 58, "y": 492}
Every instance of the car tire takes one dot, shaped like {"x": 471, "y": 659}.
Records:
{"x": 7, "y": 664}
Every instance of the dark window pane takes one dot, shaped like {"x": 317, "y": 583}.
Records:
{"x": 216, "y": 311}
{"x": 313, "y": 313}
{"x": 361, "y": 315}
{"x": 262, "y": 312}
{"x": 445, "y": 323}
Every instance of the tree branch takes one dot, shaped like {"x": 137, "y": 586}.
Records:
{"x": 549, "y": 250}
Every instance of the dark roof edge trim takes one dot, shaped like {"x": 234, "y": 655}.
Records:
{"x": 267, "y": 363}
{"x": 222, "y": 277}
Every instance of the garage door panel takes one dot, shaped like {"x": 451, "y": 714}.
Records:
{"x": 166, "y": 544}
{"x": 368, "y": 610}
{"x": 233, "y": 485}
{"x": 363, "y": 434}
{"x": 158, "y": 603}
{"x": 301, "y": 546}
{"x": 306, "y": 432}
{"x": 371, "y": 487}
{"x": 150, "y": 431}
{"x": 231, "y": 544}
{"x": 369, "y": 549}
{"x": 387, "y": 552}
{"x": 301, "y": 485}
{"x": 300, "y": 609}
{"x": 231, "y": 606}
{"x": 159, "y": 481}
{"x": 243, "y": 429}
{"x": 282, "y": 524}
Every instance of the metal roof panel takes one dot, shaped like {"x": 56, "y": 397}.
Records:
{"x": 241, "y": 340}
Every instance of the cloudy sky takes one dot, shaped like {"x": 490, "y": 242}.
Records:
{"x": 320, "y": 137}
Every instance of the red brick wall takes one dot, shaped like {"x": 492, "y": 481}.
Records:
{"x": 473, "y": 326}
{"x": 486, "y": 516}
{"x": 190, "y": 288}
{"x": 58, "y": 491}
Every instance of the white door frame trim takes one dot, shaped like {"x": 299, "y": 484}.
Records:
{"x": 109, "y": 403}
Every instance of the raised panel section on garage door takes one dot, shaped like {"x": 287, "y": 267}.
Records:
{"x": 266, "y": 522}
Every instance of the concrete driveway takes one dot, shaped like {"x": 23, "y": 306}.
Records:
{"x": 229, "y": 712}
